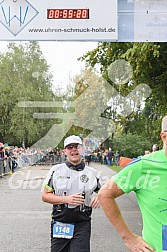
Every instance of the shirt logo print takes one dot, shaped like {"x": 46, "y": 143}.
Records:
{"x": 84, "y": 178}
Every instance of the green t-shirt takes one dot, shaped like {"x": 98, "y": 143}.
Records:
{"x": 147, "y": 176}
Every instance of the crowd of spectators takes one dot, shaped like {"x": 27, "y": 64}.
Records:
{"x": 103, "y": 156}
{"x": 12, "y": 157}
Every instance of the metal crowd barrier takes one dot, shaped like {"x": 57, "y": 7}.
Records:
{"x": 39, "y": 159}
{"x": 23, "y": 160}
{"x": 1, "y": 168}
{"x": 5, "y": 166}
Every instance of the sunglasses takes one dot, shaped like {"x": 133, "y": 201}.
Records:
{"x": 71, "y": 146}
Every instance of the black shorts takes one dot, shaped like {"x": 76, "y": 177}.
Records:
{"x": 79, "y": 243}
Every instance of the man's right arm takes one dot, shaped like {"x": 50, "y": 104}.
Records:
{"x": 107, "y": 195}
{"x": 50, "y": 197}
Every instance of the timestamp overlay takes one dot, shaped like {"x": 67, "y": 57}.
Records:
{"x": 59, "y": 20}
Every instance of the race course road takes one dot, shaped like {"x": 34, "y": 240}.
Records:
{"x": 25, "y": 219}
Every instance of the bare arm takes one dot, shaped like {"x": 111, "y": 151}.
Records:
{"x": 107, "y": 195}
{"x": 75, "y": 199}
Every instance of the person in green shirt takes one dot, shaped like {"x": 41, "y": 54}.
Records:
{"x": 147, "y": 177}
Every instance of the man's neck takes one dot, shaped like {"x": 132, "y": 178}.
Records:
{"x": 75, "y": 164}
{"x": 78, "y": 167}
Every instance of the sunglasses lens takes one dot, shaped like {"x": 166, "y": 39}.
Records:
{"x": 71, "y": 146}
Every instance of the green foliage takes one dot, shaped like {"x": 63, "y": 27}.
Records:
{"x": 132, "y": 145}
{"x": 24, "y": 77}
{"x": 148, "y": 61}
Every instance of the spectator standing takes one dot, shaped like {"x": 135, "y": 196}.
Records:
{"x": 110, "y": 155}
{"x": 2, "y": 157}
{"x": 117, "y": 158}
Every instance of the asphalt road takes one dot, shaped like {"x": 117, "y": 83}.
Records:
{"x": 25, "y": 219}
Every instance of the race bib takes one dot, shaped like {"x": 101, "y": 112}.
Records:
{"x": 63, "y": 230}
{"x": 164, "y": 238}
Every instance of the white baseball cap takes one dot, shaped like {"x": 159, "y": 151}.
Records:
{"x": 72, "y": 139}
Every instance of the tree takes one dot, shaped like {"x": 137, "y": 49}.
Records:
{"x": 148, "y": 61}
{"x": 131, "y": 145}
{"x": 24, "y": 77}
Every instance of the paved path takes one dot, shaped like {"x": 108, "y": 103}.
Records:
{"x": 25, "y": 219}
